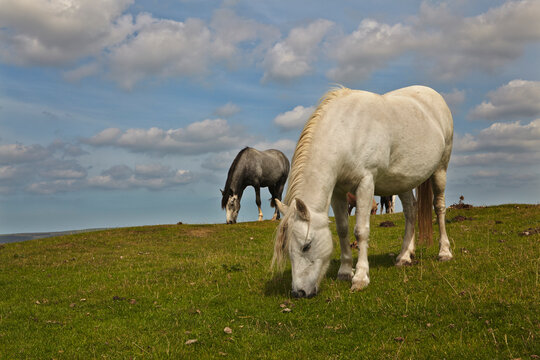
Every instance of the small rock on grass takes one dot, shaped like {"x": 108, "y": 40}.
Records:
{"x": 190, "y": 341}
{"x": 530, "y": 231}
{"x": 227, "y": 330}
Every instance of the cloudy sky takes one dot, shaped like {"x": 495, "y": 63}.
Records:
{"x": 128, "y": 112}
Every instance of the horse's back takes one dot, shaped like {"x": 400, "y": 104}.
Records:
{"x": 400, "y": 137}
{"x": 427, "y": 100}
{"x": 264, "y": 168}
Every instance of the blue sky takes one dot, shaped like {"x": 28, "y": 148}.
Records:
{"x": 117, "y": 113}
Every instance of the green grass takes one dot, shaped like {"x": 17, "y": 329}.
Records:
{"x": 143, "y": 292}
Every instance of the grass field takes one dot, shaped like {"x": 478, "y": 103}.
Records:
{"x": 205, "y": 291}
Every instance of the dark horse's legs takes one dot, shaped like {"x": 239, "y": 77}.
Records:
{"x": 258, "y": 201}
{"x": 276, "y": 192}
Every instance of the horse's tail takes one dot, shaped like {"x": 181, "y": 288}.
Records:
{"x": 424, "y": 194}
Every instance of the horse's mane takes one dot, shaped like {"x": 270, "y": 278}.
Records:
{"x": 302, "y": 152}
{"x": 232, "y": 169}
{"x": 296, "y": 175}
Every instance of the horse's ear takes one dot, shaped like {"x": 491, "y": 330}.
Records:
{"x": 222, "y": 192}
{"x": 281, "y": 207}
{"x": 302, "y": 210}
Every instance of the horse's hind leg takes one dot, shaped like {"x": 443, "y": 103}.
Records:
{"x": 438, "y": 183}
{"x": 258, "y": 201}
{"x": 339, "y": 205}
{"x": 409, "y": 210}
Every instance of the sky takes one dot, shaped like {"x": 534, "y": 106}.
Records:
{"x": 127, "y": 112}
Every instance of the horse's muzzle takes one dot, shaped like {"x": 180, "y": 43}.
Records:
{"x": 231, "y": 222}
{"x": 302, "y": 293}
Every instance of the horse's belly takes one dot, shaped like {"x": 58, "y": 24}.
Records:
{"x": 408, "y": 172}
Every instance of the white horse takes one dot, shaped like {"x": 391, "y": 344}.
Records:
{"x": 367, "y": 144}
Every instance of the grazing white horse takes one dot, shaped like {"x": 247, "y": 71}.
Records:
{"x": 367, "y": 144}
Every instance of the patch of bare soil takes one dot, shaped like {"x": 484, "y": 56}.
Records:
{"x": 199, "y": 232}
{"x": 387, "y": 224}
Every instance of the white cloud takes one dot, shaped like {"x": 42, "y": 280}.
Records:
{"x": 295, "y": 118}
{"x": 148, "y": 176}
{"x": 368, "y": 48}
{"x": 219, "y": 161}
{"x": 55, "y": 168}
{"x": 119, "y": 172}
{"x": 166, "y": 48}
{"x": 64, "y": 173}
{"x": 508, "y": 136}
{"x": 12, "y": 173}
{"x": 446, "y": 45}
{"x": 197, "y": 138}
{"x": 60, "y": 32}
{"x": 67, "y": 149}
{"x": 485, "y": 42}
{"x": 227, "y": 110}
{"x": 105, "y": 137}
{"x": 502, "y": 155}
{"x": 100, "y": 37}
{"x": 18, "y": 153}
{"x": 454, "y": 98}
{"x": 127, "y": 49}
{"x": 230, "y": 31}
{"x": 162, "y": 48}
{"x": 508, "y": 143}
{"x": 294, "y": 56}
{"x": 517, "y": 99}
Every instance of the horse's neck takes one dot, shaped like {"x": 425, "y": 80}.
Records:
{"x": 317, "y": 186}
{"x": 237, "y": 181}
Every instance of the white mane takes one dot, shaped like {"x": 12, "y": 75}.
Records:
{"x": 302, "y": 151}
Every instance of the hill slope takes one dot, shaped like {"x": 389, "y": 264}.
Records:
{"x": 152, "y": 291}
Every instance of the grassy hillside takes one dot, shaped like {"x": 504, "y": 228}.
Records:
{"x": 205, "y": 291}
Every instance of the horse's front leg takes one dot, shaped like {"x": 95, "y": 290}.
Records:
{"x": 409, "y": 210}
{"x": 339, "y": 205}
{"x": 364, "y": 199}
{"x": 258, "y": 201}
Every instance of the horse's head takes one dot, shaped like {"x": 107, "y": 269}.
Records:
{"x": 307, "y": 239}
{"x": 231, "y": 204}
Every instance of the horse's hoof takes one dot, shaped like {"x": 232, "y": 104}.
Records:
{"x": 359, "y": 284}
{"x": 444, "y": 257}
{"x": 345, "y": 276}
{"x": 403, "y": 262}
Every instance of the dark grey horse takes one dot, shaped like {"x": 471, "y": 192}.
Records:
{"x": 252, "y": 167}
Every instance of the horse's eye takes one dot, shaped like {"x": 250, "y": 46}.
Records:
{"x": 306, "y": 247}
